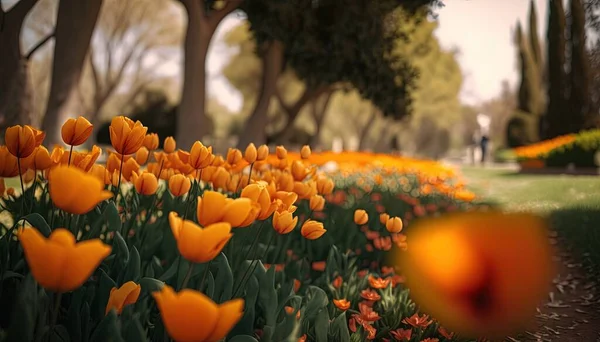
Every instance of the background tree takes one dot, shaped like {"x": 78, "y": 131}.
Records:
{"x": 15, "y": 87}
{"x": 75, "y": 24}
{"x": 579, "y": 89}
{"x": 529, "y": 95}
{"x": 127, "y": 48}
{"x": 203, "y": 17}
{"x": 500, "y": 109}
{"x": 534, "y": 40}
{"x": 556, "y": 118}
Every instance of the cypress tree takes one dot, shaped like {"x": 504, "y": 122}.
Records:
{"x": 534, "y": 40}
{"x": 556, "y": 120}
{"x": 529, "y": 88}
{"x": 579, "y": 89}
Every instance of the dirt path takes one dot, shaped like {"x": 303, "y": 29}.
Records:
{"x": 572, "y": 310}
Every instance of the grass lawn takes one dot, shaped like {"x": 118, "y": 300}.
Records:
{"x": 571, "y": 202}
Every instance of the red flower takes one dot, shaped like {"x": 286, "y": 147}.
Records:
{"x": 379, "y": 283}
{"x": 337, "y": 282}
{"x": 401, "y": 334}
{"x": 369, "y": 294}
{"x": 417, "y": 321}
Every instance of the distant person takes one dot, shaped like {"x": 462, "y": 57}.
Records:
{"x": 484, "y": 145}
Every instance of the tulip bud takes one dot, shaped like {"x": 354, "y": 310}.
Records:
{"x": 179, "y": 185}
{"x": 141, "y": 156}
{"x": 394, "y": 225}
{"x": 305, "y": 152}
{"x": 317, "y": 203}
{"x": 281, "y": 152}
{"x": 298, "y": 170}
{"x": 284, "y": 222}
{"x": 145, "y": 183}
{"x": 312, "y": 230}
{"x": 42, "y": 159}
{"x": 20, "y": 141}
{"x": 361, "y": 217}
{"x": 262, "y": 152}
{"x": 383, "y": 218}
{"x": 75, "y": 132}
{"x": 324, "y": 185}
{"x": 251, "y": 154}
{"x": 234, "y": 156}
{"x": 169, "y": 145}
{"x": 151, "y": 141}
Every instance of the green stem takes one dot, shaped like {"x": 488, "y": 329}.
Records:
{"x": 22, "y": 187}
{"x": 55, "y": 312}
{"x": 252, "y": 268}
{"x": 205, "y": 275}
{"x": 70, "y": 153}
{"x": 33, "y": 186}
{"x": 118, "y": 189}
{"x": 188, "y": 275}
{"x": 262, "y": 223}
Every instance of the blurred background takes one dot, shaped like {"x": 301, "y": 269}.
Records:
{"x": 422, "y": 78}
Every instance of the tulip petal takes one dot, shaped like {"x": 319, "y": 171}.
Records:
{"x": 230, "y": 313}
{"x": 210, "y": 208}
{"x": 46, "y": 260}
{"x": 84, "y": 258}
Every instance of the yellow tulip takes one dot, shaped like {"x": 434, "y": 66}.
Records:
{"x": 75, "y": 132}
{"x": 20, "y": 141}
{"x": 312, "y": 230}
{"x": 197, "y": 244}
{"x": 191, "y": 316}
{"x": 125, "y": 295}
{"x": 75, "y": 191}
{"x": 126, "y": 136}
{"x": 479, "y": 274}
{"x": 58, "y": 263}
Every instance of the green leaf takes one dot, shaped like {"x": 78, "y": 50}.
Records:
{"x": 60, "y": 334}
{"x": 85, "y": 322}
{"x": 151, "y": 285}
{"x": 11, "y": 274}
{"x": 317, "y": 301}
{"x": 121, "y": 249}
{"x": 133, "y": 269}
{"x": 321, "y": 326}
{"x": 75, "y": 314}
{"x": 112, "y": 217}
{"x": 339, "y": 328}
{"x": 96, "y": 228}
{"x": 223, "y": 279}
{"x": 105, "y": 284}
{"x": 172, "y": 271}
{"x": 107, "y": 330}
{"x": 210, "y": 285}
{"x": 37, "y": 221}
{"x": 24, "y": 313}
{"x": 134, "y": 331}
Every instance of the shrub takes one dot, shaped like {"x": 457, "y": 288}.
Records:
{"x": 580, "y": 152}
{"x": 522, "y": 129}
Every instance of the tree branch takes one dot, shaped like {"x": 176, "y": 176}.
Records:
{"x": 39, "y": 45}
{"x": 97, "y": 83}
{"x": 216, "y": 16}
{"x": 20, "y": 10}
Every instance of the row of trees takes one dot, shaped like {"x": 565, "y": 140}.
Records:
{"x": 555, "y": 95}
{"x": 355, "y": 49}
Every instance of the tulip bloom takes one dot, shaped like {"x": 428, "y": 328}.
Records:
{"x": 305, "y": 152}
{"x": 20, "y": 140}
{"x": 75, "y": 132}
{"x": 316, "y": 203}
{"x": 9, "y": 166}
{"x": 383, "y": 218}
{"x": 394, "y": 225}
{"x": 141, "y": 156}
{"x": 169, "y": 145}
{"x": 324, "y": 185}
{"x": 262, "y": 152}
{"x": 258, "y": 193}
{"x": 234, "y": 156}
{"x": 198, "y": 244}
{"x": 179, "y": 185}
{"x": 191, "y": 316}
{"x": 215, "y": 207}
{"x": 251, "y": 154}
{"x": 284, "y": 222}
{"x": 126, "y": 136}
{"x": 127, "y": 294}
{"x": 145, "y": 183}
{"x": 312, "y": 230}
{"x": 479, "y": 274}
{"x": 281, "y": 152}
{"x": 200, "y": 156}
{"x": 75, "y": 191}
{"x": 360, "y": 217}
{"x": 58, "y": 263}
{"x": 341, "y": 304}
{"x": 151, "y": 141}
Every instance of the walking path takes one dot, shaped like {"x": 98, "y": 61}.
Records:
{"x": 571, "y": 312}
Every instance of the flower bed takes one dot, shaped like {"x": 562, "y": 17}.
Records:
{"x": 196, "y": 247}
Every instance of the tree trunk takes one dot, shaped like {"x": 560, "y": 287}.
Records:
{"x": 75, "y": 24}
{"x": 362, "y": 141}
{"x": 15, "y": 89}
{"x": 319, "y": 114}
{"x": 255, "y": 126}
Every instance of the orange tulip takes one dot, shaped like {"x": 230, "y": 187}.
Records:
{"x": 75, "y": 132}
{"x": 145, "y": 183}
{"x": 141, "y": 156}
{"x": 127, "y": 294}
{"x": 324, "y": 185}
{"x": 198, "y": 244}
{"x": 8, "y": 163}
{"x": 262, "y": 153}
{"x": 317, "y": 203}
{"x": 75, "y": 191}
{"x": 101, "y": 173}
{"x": 200, "y": 156}
{"x": 169, "y": 145}
{"x": 312, "y": 230}
{"x": 251, "y": 154}
{"x": 305, "y": 152}
{"x": 383, "y": 218}
{"x": 179, "y": 185}
{"x": 341, "y": 304}
{"x": 215, "y": 207}
{"x": 468, "y": 263}
{"x": 126, "y": 136}
{"x": 58, "y": 263}
{"x": 394, "y": 225}
{"x": 20, "y": 141}
{"x": 258, "y": 193}
{"x": 284, "y": 222}
{"x": 191, "y": 316}
{"x": 281, "y": 152}
{"x": 234, "y": 156}
{"x": 41, "y": 160}
{"x": 151, "y": 141}
{"x": 360, "y": 217}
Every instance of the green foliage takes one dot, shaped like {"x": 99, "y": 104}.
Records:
{"x": 557, "y": 121}
{"x": 530, "y": 88}
{"x": 504, "y": 155}
{"x": 579, "y": 75}
{"x": 581, "y": 152}
{"x": 521, "y": 130}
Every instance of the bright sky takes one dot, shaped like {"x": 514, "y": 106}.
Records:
{"x": 480, "y": 29}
